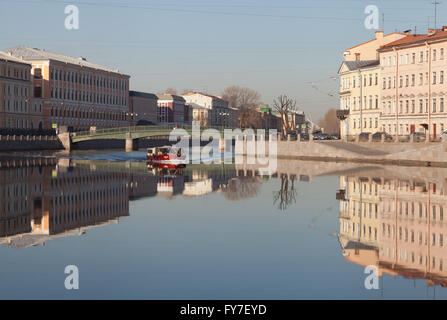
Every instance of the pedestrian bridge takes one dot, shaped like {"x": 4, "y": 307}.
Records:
{"x": 129, "y": 134}
{"x": 122, "y": 133}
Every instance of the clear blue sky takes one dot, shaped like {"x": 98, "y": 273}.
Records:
{"x": 274, "y": 47}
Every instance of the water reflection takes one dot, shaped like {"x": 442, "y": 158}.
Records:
{"x": 43, "y": 199}
{"x": 287, "y": 194}
{"x": 390, "y": 217}
{"x": 396, "y": 223}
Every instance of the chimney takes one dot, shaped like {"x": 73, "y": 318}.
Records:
{"x": 379, "y": 35}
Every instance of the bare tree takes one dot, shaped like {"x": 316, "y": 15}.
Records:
{"x": 241, "y": 188}
{"x": 246, "y": 101}
{"x": 171, "y": 91}
{"x": 330, "y": 123}
{"x": 185, "y": 91}
{"x": 287, "y": 194}
{"x": 285, "y": 107}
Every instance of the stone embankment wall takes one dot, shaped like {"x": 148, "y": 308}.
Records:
{"x": 398, "y": 153}
{"x": 29, "y": 143}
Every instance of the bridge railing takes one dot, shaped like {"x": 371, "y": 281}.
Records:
{"x": 136, "y": 129}
{"x": 131, "y": 129}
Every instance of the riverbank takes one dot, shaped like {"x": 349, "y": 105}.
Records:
{"x": 390, "y": 153}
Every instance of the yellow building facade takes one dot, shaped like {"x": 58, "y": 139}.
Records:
{"x": 360, "y": 96}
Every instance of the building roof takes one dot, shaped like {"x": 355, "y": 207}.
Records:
{"x": 417, "y": 39}
{"x": 143, "y": 95}
{"x": 385, "y": 36}
{"x": 31, "y": 54}
{"x": 165, "y": 96}
{"x": 355, "y": 65}
{"x": 190, "y": 93}
{"x": 6, "y": 57}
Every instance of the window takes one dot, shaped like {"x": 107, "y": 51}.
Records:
{"x": 434, "y": 55}
{"x": 441, "y": 77}
{"x": 434, "y": 105}
{"x": 37, "y": 92}
{"x": 38, "y": 73}
{"x": 434, "y": 78}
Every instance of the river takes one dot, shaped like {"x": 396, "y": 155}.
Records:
{"x": 219, "y": 231}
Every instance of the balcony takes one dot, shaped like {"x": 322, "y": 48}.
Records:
{"x": 340, "y": 195}
{"x": 342, "y": 114}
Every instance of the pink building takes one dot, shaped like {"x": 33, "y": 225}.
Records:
{"x": 412, "y": 84}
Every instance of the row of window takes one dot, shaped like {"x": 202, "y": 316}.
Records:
{"x": 369, "y": 102}
{"x": 356, "y": 81}
{"x": 74, "y": 95}
{"x": 84, "y": 78}
{"x": 409, "y": 106}
{"x": 414, "y": 57}
{"x": 15, "y": 123}
{"x": 410, "y": 80}
{"x": 17, "y": 91}
{"x": 88, "y": 114}
{"x": 422, "y": 260}
{"x": 14, "y": 73}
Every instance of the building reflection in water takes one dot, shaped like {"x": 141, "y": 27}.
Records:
{"x": 396, "y": 224}
{"x": 43, "y": 199}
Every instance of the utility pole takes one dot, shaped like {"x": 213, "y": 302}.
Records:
{"x": 436, "y": 12}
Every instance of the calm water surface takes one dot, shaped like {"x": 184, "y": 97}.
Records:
{"x": 219, "y": 232}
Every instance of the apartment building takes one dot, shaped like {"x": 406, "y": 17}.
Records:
{"x": 209, "y": 110}
{"x": 360, "y": 86}
{"x": 413, "y": 88}
{"x": 143, "y": 108}
{"x": 171, "y": 109}
{"x": 16, "y": 107}
{"x": 74, "y": 92}
{"x": 359, "y": 93}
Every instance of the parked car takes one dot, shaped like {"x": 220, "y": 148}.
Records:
{"x": 322, "y": 136}
{"x": 378, "y": 136}
{"x": 417, "y": 136}
{"x": 364, "y": 136}
{"x": 293, "y": 134}
{"x": 334, "y": 137}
